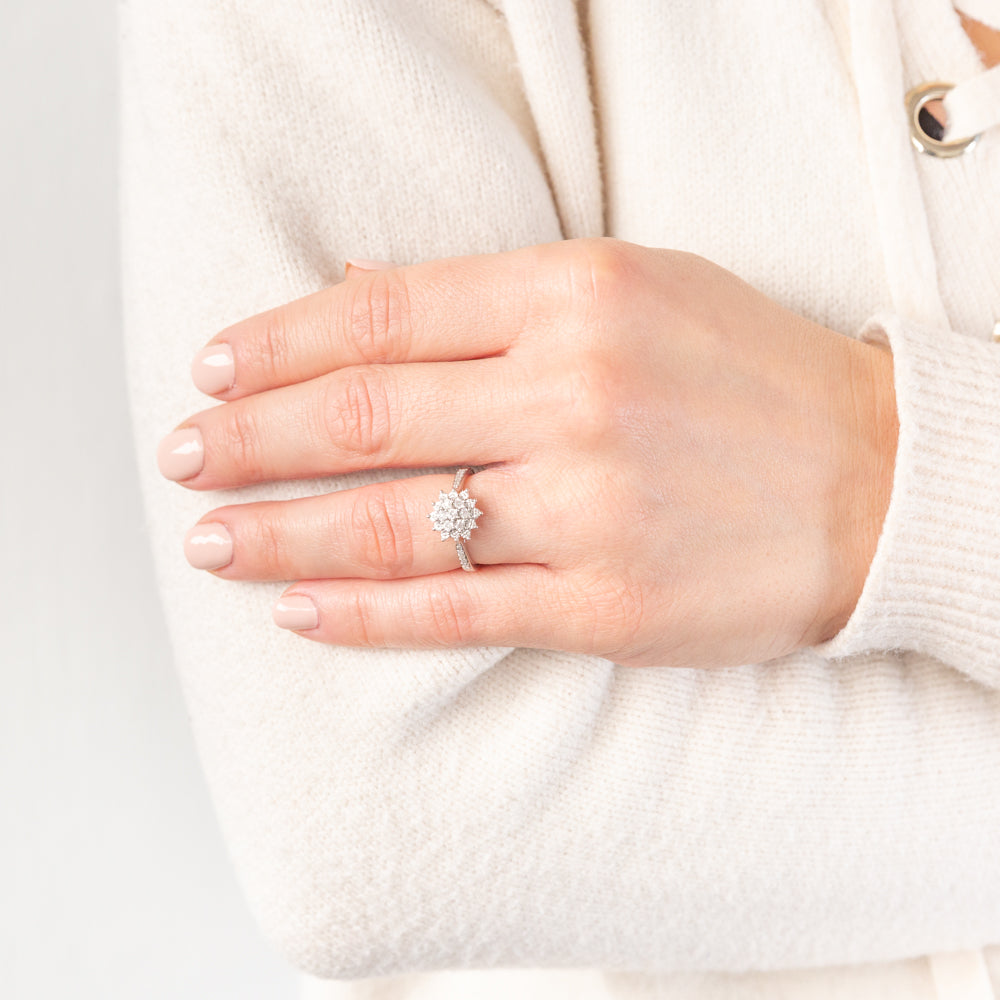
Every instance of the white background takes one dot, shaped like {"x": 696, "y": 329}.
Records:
{"x": 114, "y": 882}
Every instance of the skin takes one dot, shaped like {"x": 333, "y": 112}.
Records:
{"x": 679, "y": 471}
{"x": 985, "y": 39}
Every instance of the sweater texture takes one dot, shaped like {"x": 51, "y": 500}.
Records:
{"x": 594, "y": 830}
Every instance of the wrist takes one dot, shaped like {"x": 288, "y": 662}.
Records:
{"x": 866, "y": 480}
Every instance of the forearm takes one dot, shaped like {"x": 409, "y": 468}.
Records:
{"x": 391, "y": 810}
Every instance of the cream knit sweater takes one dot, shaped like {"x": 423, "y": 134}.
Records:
{"x": 405, "y": 811}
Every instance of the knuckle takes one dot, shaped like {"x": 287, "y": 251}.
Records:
{"x": 587, "y": 400}
{"x": 361, "y": 615}
{"x": 243, "y": 440}
{"x": 612, "y": 613}
{"x": 358, "y": 410}
{"x": 601, "y": 271}
{"x": 269, "y": 544}
{"x": 381, "y": 527}
{"x": 450, "y": 617}
{"x": 267, "y": 352}
{"x": 379, "y": 316}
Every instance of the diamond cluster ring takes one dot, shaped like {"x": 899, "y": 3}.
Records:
{"x": 454, "y": 515}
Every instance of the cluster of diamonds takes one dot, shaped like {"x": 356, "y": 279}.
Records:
{"x": 454, "y": 514}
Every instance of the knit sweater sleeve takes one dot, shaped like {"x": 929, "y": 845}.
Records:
{"x": 934, "y": 582}
{"x": 401, "y": 810}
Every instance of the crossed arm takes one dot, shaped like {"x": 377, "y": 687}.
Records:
{"x": 461, "y": 806}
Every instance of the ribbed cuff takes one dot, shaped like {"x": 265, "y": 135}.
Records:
{"x": 934, "y": 583}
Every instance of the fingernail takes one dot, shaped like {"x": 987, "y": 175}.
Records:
{"x": 295, "y": 611}
{"x": 208, "y": 546}
{"x": 212, "y": 369}
{"x": 368, "y": 265}
{"x": 181, "y": 454}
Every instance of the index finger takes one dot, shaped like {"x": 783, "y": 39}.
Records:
{"x": 451, "y": 309}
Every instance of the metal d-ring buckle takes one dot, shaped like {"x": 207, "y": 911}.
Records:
{"x": 926, "y": 143}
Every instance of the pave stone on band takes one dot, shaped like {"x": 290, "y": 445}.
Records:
{"x": 454, "y": 515}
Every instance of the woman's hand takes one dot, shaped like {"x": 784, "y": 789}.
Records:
{"x": 679, "y": 471}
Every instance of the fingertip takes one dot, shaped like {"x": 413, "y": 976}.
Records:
{"x": 181, "y": 454}
{"x": 209, "y": 546}
{"x": 295, "y": 612}
{"x": 213, "y": 369}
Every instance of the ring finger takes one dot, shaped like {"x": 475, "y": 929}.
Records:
{"x": 377, "y": 531}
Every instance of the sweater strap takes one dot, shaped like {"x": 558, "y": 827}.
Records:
{"x": 907, "y": 250}
{"x": 973, "y": 105}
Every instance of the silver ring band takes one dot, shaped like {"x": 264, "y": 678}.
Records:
{"x": 454, "y": 515}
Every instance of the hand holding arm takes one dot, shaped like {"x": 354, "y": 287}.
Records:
{"x": 679, "y": 471}
{"x": 392, "y": 810}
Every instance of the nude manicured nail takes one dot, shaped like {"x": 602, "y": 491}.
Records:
{"x": 368, "y": 265}
{"x": 295, "y": 611}
{"x": 212, "y": 369}
{"x": 208, "y": 546}
{"x": 181, "y": 454}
